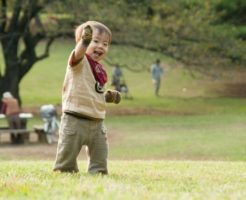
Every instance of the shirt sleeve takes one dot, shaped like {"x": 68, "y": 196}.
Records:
{"x": 71, "y": 60}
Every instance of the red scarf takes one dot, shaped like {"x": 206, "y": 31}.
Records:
{"x": 98, "y": 71}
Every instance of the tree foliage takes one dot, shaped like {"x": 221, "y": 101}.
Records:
{"x": 191, "y": 31}
{"x": 232, "y": 11}
{"x": 21, "y": 31}
{"x": 184, "y": 30}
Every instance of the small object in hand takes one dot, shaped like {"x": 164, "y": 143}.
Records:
{"x": 87, "y": 35}
{"x": 112, "y": 96}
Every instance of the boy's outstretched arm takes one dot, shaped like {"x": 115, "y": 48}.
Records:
{"x": 81, "y": 46}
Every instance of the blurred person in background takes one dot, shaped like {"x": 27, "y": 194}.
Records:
{"x": 156, "y": 73}
{"x": 10, "y": 107}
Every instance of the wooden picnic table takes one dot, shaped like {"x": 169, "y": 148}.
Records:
{"x": 24, "y": 133}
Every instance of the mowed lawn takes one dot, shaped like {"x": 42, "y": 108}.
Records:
{"x": 200, "y": 137}
{"x": 150, "y": 157}
{"x": 43, "y": 84}
{"x": 187, "y": 144}
{"x": 214, "y": 137}
{"x": 128, "y": 180}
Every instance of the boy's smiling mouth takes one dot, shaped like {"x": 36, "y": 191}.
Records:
{"x": 97, "y": 53}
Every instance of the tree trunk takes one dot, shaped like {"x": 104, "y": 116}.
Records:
{"x": 10, "y": 79}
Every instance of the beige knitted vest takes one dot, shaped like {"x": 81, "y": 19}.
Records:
{"x": 79, "y": 94}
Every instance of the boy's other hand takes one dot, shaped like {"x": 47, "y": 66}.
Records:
{"x": 87, "y": 35}
{"x": 112, "y": 96}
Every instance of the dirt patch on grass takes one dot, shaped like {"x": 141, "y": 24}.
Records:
{"x": 142, "y": 111}
{"x": 124, "y": 111}
{"x": 231, "y": 90}
{"x": 229, "y": 82}
{"x": 33, "y": 150}
{"x": 27, "y": 152}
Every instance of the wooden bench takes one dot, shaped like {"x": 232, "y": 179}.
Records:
{"x": 15, "y": 131}
{"x": 24, "y": 133}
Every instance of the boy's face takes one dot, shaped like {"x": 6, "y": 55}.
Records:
{"x": 99, "y": 45}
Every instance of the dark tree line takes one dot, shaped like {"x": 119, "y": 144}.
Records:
{"x": 232, "y": 11}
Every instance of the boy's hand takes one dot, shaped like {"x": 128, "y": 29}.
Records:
{"x": 87, "y": 35}
{"x": 112, "y": 96}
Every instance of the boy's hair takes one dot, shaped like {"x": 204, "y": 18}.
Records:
{"x": 94, "y": 24}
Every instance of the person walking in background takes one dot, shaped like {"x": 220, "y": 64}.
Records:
{"x": 84, "y": 101}
{"x": 156, "y": 73}
{"x": 10, "y": 107}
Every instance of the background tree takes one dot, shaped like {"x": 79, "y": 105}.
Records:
{"x": 232, "y": 11}
{"x": 190, "y": 31}
{"x": 185, "y": 30}
{"x": 21, "y": 31}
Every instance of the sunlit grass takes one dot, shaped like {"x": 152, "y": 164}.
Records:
{"x": 196, "y": 137}
{"x": 157, "y": 148}
{"x": 180, "y": 92}
{"x": 44, "y": 82}
{"x": 127, "y": 180}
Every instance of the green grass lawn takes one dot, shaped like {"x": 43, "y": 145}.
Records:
{"x": 127, "y": 180}
{"x": 173, "y": 137}
{"x": 44, "y": 82}
{"x": 187, "y": 144}
{"x": 199, "y": 137}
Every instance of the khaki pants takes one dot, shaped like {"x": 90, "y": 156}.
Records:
{"x": 73, "y": 134}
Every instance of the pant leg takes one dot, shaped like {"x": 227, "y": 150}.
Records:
{"x": 157, "y": 86}
{"x": 14, "y": 123}
{"x": 98, "y": 151}
{"x": 69, "y": 144}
